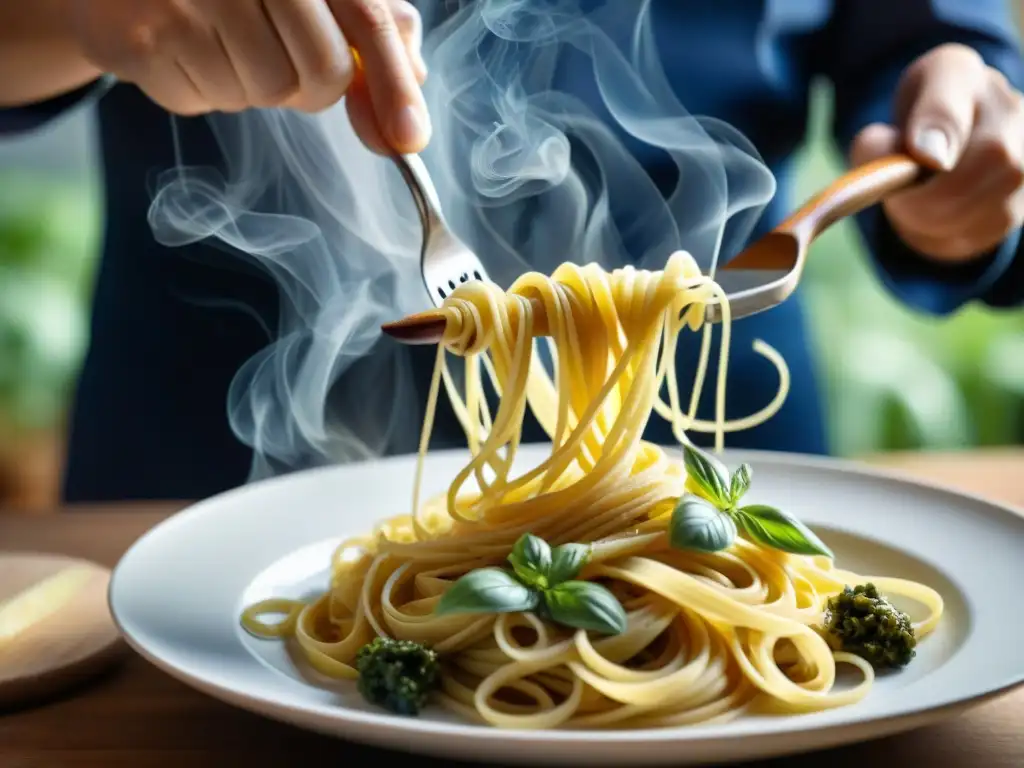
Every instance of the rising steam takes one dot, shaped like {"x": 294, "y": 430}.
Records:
{"x": 543, "y": 114}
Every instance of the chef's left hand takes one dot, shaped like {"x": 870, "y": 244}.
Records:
{"x": 954, "y": 113}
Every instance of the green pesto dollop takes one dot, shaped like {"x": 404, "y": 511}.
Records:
{"x": 861, "y": 621}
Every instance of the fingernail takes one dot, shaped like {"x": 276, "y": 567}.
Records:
{"x": 411, "y": 127}
{"x": 934, "y": 143}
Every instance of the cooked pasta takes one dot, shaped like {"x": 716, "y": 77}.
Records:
{"x": 708, "y": 635}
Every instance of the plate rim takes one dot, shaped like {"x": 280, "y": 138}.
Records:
{"x": 933, "y": 709}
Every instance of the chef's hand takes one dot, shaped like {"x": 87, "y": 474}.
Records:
{"x": 199, "y": 56}
{"x": 954, "y": 113}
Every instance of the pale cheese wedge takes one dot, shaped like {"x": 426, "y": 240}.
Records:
{"x": 39, "y": 601}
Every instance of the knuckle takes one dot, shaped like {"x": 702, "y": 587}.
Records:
{"x": 333, "y": 71}
{"x": 156, "y": 34}
{"x": 918, "y": 67}
{"x": 406, "y": 17}
{"x": 999, "y": 84}
{"x": 141, "y": 42}
{"x": 966, "y": 55}
{"x": 1002, "y": 95}
{"x": 375, "y": 17}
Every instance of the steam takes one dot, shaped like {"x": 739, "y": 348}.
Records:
{"x": 544, "y": 115}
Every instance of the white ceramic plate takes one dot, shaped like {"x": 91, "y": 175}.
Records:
{"x": 177, "y": 594}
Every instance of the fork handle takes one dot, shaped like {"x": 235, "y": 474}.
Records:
{"x": 417, "y": 178}
{"x": 851, "y": 193}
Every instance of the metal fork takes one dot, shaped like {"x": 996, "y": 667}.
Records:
{"x": 761, "y": 277}
{"x": 445, "y": 261}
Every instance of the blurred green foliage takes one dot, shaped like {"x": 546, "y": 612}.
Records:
{"x": 49, "y": 235}
{"x": 896, "y": 379}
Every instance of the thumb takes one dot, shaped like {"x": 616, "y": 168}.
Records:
{"x": 938, "y": 97}
{"x": 875, "y": 141}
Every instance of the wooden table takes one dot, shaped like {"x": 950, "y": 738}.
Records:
{"x": 138, "y": 717}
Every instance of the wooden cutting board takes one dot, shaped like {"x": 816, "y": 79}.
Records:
{"x": 56, "y": 631}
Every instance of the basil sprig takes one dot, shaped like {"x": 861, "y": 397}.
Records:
{"x": 709, "y": 519}
{"x": 542, "y": 580}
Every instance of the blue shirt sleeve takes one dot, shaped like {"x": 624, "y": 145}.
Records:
{"x": 869, "y": 45}
{"x": 17, "y": 120}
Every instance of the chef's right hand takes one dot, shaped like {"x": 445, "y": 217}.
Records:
{"x": 199, "y": 56}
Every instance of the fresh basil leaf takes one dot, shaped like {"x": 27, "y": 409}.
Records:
{"x": 774, "y": 528}
{"x": 708, "y": 473}
{"x": 531, "y": 560}
{"x": 567, "y": 561}
{"x": 740, "y": 482}
{"x": 698, "y": 524}
{"x": 487, "y": 590}
{"x": 584, "y": 605}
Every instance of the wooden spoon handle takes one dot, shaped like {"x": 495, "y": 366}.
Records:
{"x": 851, "y": 193}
